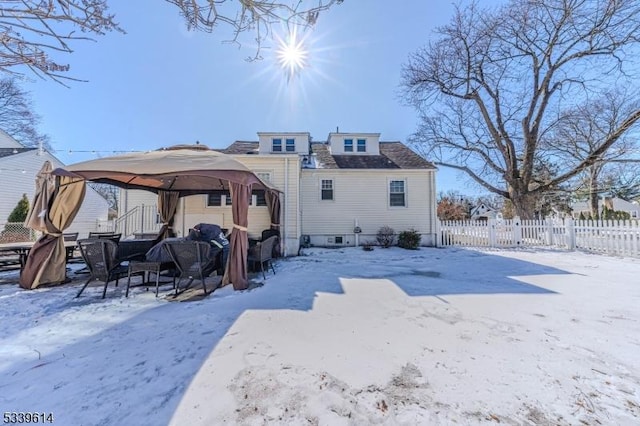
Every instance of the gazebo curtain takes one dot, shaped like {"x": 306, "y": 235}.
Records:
{"x": 45, "y": 185}
{"x": 236, "y": 271}
{"x": 167, "y": 206}
{"x": 46, "y": 263}
{"x": 273, "y": 204}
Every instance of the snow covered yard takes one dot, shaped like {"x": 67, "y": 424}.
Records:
{"x": 434, "y": 336}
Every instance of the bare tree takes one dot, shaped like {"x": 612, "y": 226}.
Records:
{"x": 496, "y": 81}
{"x": 250, "y": 16}
{"x": 623, "y": 181}
{"x": 35, "y": 33}
{"x": 17, "y": 117}
{"x": 108, "y": 192}
{"x": 581, "y": 131}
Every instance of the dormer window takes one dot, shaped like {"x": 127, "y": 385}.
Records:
{"x": 354, "y": 143}
{"x": 290, "y": 145}
{"x": 276, "y": 145}
{"x": 348, "y": 145}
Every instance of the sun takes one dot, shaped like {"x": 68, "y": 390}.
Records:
{"x": 292, "y": 54}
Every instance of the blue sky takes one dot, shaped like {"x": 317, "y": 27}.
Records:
{"x": 160, "y": 85}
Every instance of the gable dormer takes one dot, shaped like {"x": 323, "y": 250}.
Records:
{"x": 284, "y": 142}
{"x": 354, "y": 143}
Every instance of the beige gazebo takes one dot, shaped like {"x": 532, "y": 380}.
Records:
{"x": 171, "y": 173}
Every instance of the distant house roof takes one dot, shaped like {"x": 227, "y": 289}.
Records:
{"x": 6, "y": 152}
{"x": 393, "y": 155}
{"x": 483, "y": 210}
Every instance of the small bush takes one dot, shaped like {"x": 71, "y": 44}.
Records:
{"x": 367, "y": 245}
{"x": 20, "y": 211}
{"x": 409, "y": 239}
{"x": 385, "y": 236}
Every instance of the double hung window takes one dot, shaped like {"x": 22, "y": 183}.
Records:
{"x": 397, "y": 193}
{"x": 326, "y": 192}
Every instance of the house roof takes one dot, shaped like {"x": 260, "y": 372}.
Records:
{"x": 393, "y": 155}
{"x": 6, "y": 152}
{"x": 241, "y": 147}
{"x": 481, "y": 209}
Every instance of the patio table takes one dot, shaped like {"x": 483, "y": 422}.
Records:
{"x": 133, "y": 249}
{"x": 23, "y": 248}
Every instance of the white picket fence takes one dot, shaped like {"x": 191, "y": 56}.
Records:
{"x": 604, "y": 236}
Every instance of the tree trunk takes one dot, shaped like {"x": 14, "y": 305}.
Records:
{"x": 593, "y": 191}
{"x": 523, "y": 202}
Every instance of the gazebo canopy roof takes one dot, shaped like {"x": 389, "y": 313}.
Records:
{"x": 187, "y": 169}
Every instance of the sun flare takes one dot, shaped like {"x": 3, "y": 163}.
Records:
{"x": 292, "y": 54}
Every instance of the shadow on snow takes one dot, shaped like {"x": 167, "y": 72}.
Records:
{"x": 110, "y": 371}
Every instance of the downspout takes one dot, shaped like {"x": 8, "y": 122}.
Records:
{"x": 298, "y": 209}
{"x": 435, "y": 222}
{"x": 356, "y": 231}
{"x": 182, "y": 207}
{"x": 126, "y": 209}
{"x": 286, "y": 202}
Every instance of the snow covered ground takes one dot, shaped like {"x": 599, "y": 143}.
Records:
{"x": 340, "y": 337}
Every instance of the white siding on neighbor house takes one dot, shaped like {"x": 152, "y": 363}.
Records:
{"x": 363, "y": 195}
{"x": 131, "y": 198}
{"x": 7, "y": 141}
{"x": 18, "y": 177}
{"x": 94, "y": 210}
{"x": 618, "y": 204}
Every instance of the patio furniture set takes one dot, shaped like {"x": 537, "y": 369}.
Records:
{"x": 108, "y": 259}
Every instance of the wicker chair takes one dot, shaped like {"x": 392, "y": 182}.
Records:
{"x": 100, "y": 255}
{"x": 106, "y": 235}
{"x": 195, "y": 260}
{"x": 68, "y": 237}
{"x": 263, "y": 253}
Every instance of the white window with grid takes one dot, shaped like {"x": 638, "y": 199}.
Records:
{"x": 264, "y": 176}
{"x": 326, "y": 189}
{"x": 397, "y": 193}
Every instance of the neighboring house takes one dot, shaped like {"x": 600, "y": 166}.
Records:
{"x": 329, "y": 188}
{"x": 19, "y": 166}
{"x": 615, "y": 204}
{"x": 483, "y": 212}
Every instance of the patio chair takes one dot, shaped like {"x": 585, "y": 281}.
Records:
{"x": 106, "y": 235}
{"x": 67, "y": 237}
{"x": 100, "y": 255}
{"x": 195, "y": 260}
{"x": 263, "y": 253}
{"x": 267, "y": 233}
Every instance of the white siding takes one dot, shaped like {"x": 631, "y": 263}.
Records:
{"x": 363, "y": 196}
{"x": 94, "y": 209}
{"x": 131, "y": 198}
{"x": 18, "y": 177}
{"x": 7, "y": 141}
{"x": 285, "y": 175}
